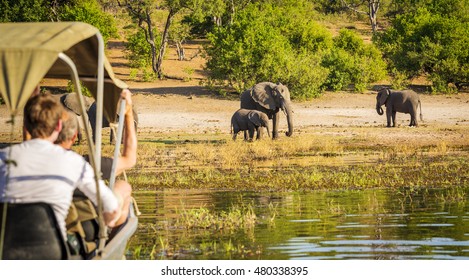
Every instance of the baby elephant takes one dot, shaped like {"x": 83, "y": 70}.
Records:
{"x": 249, "y": 120}
{"x": 403, "y": 101}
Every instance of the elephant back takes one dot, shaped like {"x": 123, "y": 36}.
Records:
{"x": 69, "y": 101}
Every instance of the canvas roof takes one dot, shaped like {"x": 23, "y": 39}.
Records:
{"x": 29, "y": 52}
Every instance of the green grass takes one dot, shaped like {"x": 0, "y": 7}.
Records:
{"x": 305, "y": 162}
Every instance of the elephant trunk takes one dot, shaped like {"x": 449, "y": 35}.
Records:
{"x": 379, "y": 109}
{"x": 289, "y": 113}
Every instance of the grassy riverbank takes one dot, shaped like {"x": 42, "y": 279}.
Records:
{"x": 357, "y": 159}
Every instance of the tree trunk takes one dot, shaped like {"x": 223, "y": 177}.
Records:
{"x": 180, "y": 51}
{"x": 373, "y": 6}
{"x": 233, "y": 12}
{"x": 164, "y": 41}
{"x": 150, "y": 37}
{"x": 372, "y": 11}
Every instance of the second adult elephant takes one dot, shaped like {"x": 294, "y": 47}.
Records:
{"x": 403, "y": 101}
{"x": 92, "y": 118}
{"x": 270, "y": 98}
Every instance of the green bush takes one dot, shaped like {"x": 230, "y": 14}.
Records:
{"x": 90, "y": 12}
{"x": 430, "y": 44}
{"x": 84, "y": 90}
{"x": 264, "y": 44}
{"x": 306, "y": 78}
{"x": 341, "y": 68}
{"x": 138, "y": 50}
{"x": 24, "y": 10}
{"x": 352, "y": 62}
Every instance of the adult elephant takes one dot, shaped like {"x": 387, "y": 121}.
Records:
{"x": 70, "y": 102}
{"x": 92, "y": 118}
{"x": 270, "y": 98}
{"x": 403, "y": 101}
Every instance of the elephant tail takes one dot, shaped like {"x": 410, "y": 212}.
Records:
{"x": 421, "y": 116}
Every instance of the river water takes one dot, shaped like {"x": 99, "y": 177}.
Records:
{"x": 364, "y": 224}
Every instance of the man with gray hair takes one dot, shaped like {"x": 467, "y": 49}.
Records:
{"x": 68, "y": 136}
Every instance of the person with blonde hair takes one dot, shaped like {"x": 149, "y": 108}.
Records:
{"x": 37, "y": 170}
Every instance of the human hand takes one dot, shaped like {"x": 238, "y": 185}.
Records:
{"x": 127, "y": 96}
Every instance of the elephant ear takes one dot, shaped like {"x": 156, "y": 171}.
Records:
{"x": 262, "y": 93}
{"x": 254, "y": 118}
{"x": 384, "y": 94}
{"x": 70, "y": 102}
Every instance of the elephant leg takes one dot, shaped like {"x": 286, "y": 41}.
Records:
{"x": 388, "y": 117}
{"x": 393, "y": 118}
{"x": 413, "y": 116}
{"x": 251, "y": 129}
{"x": 275, "y": 121}
{"x": 93, "y": 130}
{"x": 111, "y": 136}
{"x": 411, "y": 120}
{"x": 259, "y": 132}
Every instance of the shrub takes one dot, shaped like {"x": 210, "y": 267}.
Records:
{"x": 267, "y": 45}
{"x": 24, "y": 10}
{"x": 138, "y": 50}
{"x": 90, "y": 12}
{"x": 422, "y": 42}
{"x": 352, "y": 62}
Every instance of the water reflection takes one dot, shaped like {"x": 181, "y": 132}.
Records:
{"x": 375, "y": 224}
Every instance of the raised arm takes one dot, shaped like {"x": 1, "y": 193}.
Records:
{"x": 129, "y": 154}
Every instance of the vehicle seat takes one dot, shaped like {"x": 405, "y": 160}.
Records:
{"x": 32, "y": 233}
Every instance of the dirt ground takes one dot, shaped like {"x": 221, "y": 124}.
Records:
{"x": 185, "y": 106}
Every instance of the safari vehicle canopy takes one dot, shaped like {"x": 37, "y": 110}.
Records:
{"x": 30, "y": 52}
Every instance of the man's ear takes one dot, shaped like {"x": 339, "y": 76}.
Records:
{"x": 58, "y": 128}
{"x": 74, "y": 137}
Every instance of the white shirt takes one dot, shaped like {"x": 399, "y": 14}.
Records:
{"x": 44, "y": 172}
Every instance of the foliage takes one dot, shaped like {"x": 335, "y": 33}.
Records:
{"x": 266, "y": 44}
{"x": 84, "y": 90}
{"x": 138, "y": 50}
{"x": 24, "y": 10}
{"x": 90, "y": 12}
{"x": 329, "y": 6}
{"x": 351, "y": 61}
{"x": 40, "y": 10}
{"x": 450, "y": 8}
{"x": 427, "y": 43}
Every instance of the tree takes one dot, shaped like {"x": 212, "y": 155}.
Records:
{"x": 91, "y": 12}
{"x": 178, "y": 33}
{"x": 352, "y": 62}
{"x": 425, "y": 42}
{"x": 372, "y": 8}
{"x": 264, "y": 43}
{"x": 142, "y": 12}
{"x": 88, "y": 11}
{"x": 24, "y": 10}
